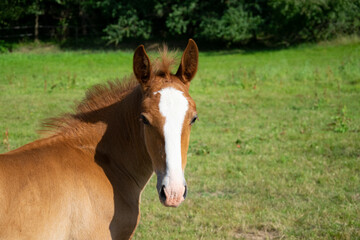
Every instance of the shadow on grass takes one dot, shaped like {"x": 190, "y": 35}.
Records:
{"x": 209, "y": 48}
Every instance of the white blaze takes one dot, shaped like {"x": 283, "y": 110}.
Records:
{"x": 173, "y": 106}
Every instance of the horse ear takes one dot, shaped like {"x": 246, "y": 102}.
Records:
{"x": 189, "y": 62}
{"x": 141, "y": 65}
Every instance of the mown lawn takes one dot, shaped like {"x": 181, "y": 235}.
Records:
{"x": 275, "y": 154}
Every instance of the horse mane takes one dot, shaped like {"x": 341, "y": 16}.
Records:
{"x": 102, "y": 95}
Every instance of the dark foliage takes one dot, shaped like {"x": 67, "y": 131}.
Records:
{"x": 231, "y": 22}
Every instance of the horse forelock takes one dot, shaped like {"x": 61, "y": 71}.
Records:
{"x": 163, "y": 65}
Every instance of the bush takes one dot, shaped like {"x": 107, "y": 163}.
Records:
{"x": 235, "y": 25}
{"x": 297, "y": 21}
{"x": 128, "y": 25}
{"x": 5, "y": 47}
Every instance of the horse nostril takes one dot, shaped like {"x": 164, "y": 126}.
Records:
{"x": 185, "y": 193}
{"x": 162, "y": 194}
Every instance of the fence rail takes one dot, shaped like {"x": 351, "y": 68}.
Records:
{"x": 51, "y": 31}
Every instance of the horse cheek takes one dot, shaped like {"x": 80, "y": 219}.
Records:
{"x": 185, "y": 138}
{"x": 155, "y": 146}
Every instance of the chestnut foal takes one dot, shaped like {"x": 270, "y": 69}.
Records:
{"x": 85, "y": 180}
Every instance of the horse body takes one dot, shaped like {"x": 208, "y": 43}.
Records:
{"x": 45, "y": 197}
{"x": 85, "y": 181}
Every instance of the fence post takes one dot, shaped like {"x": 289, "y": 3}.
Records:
{"x": 36, "y": 30}
{"x": 76, "y": 34}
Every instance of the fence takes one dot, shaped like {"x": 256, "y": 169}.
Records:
{"x": 51, "y": 31}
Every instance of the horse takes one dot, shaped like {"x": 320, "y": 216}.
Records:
{"x": 84, "y": 179}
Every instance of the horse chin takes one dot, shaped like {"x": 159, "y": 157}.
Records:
{"x": 173, "y": 204}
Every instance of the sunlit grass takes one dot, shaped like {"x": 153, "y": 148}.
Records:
{"x": 276, "y": 152}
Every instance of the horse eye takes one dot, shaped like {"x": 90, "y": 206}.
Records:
{"x": 193, "y": 120}
{"x": 144, "y": 120}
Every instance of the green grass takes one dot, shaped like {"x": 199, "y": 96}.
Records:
{"x": 275, "y": 154}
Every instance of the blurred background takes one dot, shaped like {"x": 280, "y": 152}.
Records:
{"x": 92, "y": 23}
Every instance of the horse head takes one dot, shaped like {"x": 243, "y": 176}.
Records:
{"x": 168, "y": 112}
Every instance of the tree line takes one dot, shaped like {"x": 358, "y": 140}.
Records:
{"x": 272, "y": 22}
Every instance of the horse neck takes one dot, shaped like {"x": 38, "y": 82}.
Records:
{"x": 121, "y": 150}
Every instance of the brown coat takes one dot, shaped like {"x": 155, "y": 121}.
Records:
{"x": 84, "y": 181}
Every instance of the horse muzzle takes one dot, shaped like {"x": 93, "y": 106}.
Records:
{"x": 171, "y": 193}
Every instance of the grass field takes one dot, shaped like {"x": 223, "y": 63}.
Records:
{"x": 275, "y": 154}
